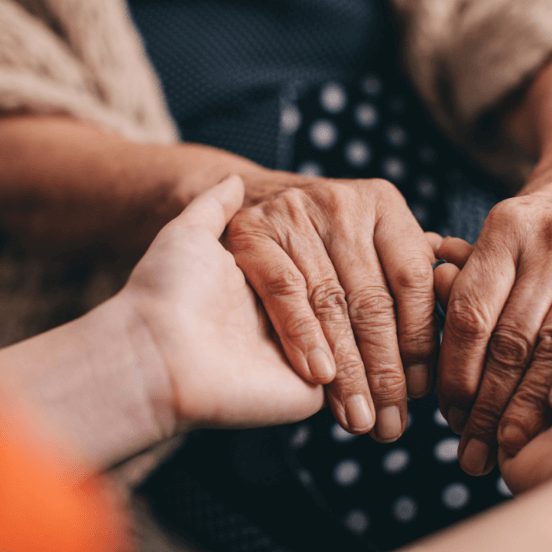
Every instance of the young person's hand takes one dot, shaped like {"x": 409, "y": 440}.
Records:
{"x": 205, "y": 326}
{"x": 185, "y": 344}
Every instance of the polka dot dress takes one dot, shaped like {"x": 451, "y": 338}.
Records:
{"x": 392, "y": 494}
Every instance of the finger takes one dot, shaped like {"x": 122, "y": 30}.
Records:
{"x": 477, "y": 298}
{"x": 408, "y": 269}
{"x": 435, "y": 240}
{"x": 214, "y": 208}
{"x": 372, "y": 316}
{"x": 349, "y": 394}
{"x": 528, "y": 412}
{"x": 455, "y": 250}
{"x": 283, "y": 291}
{"x": 508, "y": 355}
{"x": 529, "y": 468}
{"x": 444, "y": 276}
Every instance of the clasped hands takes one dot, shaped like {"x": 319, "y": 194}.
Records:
{"x": 344, "y": 275}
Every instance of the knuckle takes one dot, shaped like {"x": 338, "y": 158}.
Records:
{"x": 417, "y": 343}
{"x": 384, "y": 187}
{"x": 298, "y": 328}
{"x": 350, "y": 370}
{"x": 484, "y": 418}
{"x": 371, "y": 303}
{"x": 371, "y": 311}
{"x": 388, "y": 386}
{"x": 466, "y": 321}
{"x": 292, "y": 197}
{"x": 416, "y": 275}
{"x": 284, "y": 282}
{"x": 509, "y": 350}
{"x": 328, "y": 301}
{"x": 508, "y": 210}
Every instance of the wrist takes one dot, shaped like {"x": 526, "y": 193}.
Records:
{"x": 90, "y": 387}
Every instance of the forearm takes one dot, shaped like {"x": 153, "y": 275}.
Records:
{"x": 92, "y": 386}
{"x": 67, "y": 185}
{"x": 523, "y": 524}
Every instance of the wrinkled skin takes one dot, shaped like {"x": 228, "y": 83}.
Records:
{"x": 344, "y": 272}
{"x": 495, "y": 363}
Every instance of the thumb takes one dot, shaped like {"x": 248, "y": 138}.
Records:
{"x": 214, "y": 208}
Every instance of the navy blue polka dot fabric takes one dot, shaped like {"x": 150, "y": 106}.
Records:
{"x": 385, "y": 494}
{"x": 311, "y": 86}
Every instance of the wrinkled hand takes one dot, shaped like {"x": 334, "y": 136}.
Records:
{"x": 344, "y": 272}
{"x": 494, "y": 367}
{"x": 206, "y": 328}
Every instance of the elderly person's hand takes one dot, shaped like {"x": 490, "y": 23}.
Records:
{"x": 344, "y": 272}
{"x": 494, "y": 368}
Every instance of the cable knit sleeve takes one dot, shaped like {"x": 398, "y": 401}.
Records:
{"x": 82, "y": 58}
{"x": 468, "y": 56}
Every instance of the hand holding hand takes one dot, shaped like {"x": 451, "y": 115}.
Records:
{"x": 344, "y": 272}
{"x": 205, "y": 327}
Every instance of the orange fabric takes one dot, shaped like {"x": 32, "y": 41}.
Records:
{"x": 41, "y": 510}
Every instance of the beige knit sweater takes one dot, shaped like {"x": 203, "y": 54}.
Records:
{"x": 83, "y": 58}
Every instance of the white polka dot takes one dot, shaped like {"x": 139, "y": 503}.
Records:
{"x": 396, "y": 461}
{"x": 300, "y": 437}
{"x": 357, "y": 153}
{"x": 409, "y": 420}
{"x": 455, "y": 496}
{"x": 371, "y": 85}
{"x": 323, "y": 134}
{"x": 347, "y": 472}
{"x": 357, "y": 521}
{"x": 310, "y": 168}
{"x": 393, "y": 168}
{"x": 366, "y": 115}
{"x": 447, "y": 450}
{"x": 339, "y": 434}
{"x": 290, "y": 119}
{"x": 427, "y": 154}
{"x": 502, "y": 488}
{"x": 333, "y": 98}
{"x": 426, "y": 188}
{"x": 405, "y": 509}
{"x": 439, "y": 419}
{"x": 305, "y": 477}
{"x": 396, "y": 136}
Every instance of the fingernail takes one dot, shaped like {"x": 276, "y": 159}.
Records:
{"x": 475, "y": 456}
{"x": 457, "y": 419}
{"x": 320, "y": 366}
{"x": 417, "y": 380}
{"x": 359, "y": 415}
{"x": 389, "y": 424}
{"x": 512, "y": 439}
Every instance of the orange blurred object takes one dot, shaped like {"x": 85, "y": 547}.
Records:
{"x": 42, "y": 510}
